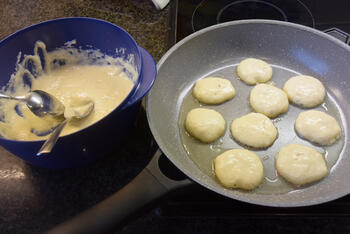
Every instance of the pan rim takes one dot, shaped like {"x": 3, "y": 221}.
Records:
{"x": 188, "y": 173}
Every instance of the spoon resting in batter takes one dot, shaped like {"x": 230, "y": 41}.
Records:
{"x": 78, "y": 111}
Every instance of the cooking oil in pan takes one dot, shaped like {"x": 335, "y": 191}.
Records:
{"x": 203, "y": 154}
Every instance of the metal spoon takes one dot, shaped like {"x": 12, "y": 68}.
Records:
{"x": 40, "y": 103}
{"x": 77, "y": 112}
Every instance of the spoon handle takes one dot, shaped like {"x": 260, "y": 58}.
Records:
{"x": 51, "y": 141}
{"x": 21, "y": 98}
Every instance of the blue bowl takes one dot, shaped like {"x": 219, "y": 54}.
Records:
{"x": 88, "y": 144}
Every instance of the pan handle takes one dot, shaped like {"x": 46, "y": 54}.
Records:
{"x": 149, "y": 185}
{"x": 339, "y": 34}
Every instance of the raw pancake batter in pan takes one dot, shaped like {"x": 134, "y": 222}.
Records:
{"x": 300, "y": 164}
{"x": 253, "y": 71}
{"x": 268, "y": 100}
{"x": 213, "y": 90}
{"x": 305, "y": 91}
{"x": 205, "y": 124}
{"x": 239, "y": 168}
{"x": 317, "y": 127}
{"x": 255, "y": 130}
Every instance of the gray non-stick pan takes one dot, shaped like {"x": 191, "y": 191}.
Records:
{"x": 291, "y": 50}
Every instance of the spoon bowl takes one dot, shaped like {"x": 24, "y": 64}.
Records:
{"x": 40, "y": 103}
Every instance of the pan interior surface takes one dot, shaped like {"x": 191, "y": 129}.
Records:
{"x": 291, "y": 49}
{"x": 203, "y": 154}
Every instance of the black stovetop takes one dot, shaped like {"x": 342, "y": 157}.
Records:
{"x": 193, "y": 15}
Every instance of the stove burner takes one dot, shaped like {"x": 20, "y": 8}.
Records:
{"x": 210, "y": 12}
{"x": 250, "y": 9}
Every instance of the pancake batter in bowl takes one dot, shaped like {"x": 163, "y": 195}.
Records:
{"x": 71, "y": 75}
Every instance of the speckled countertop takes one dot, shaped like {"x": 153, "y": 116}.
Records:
{"x": 148, "y": 26}
{"x": 33, "y": 200}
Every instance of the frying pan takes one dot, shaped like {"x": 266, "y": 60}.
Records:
{"x": 291, "y": 49}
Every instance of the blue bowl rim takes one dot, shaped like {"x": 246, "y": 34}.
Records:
{"x": 125, "y": 101}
